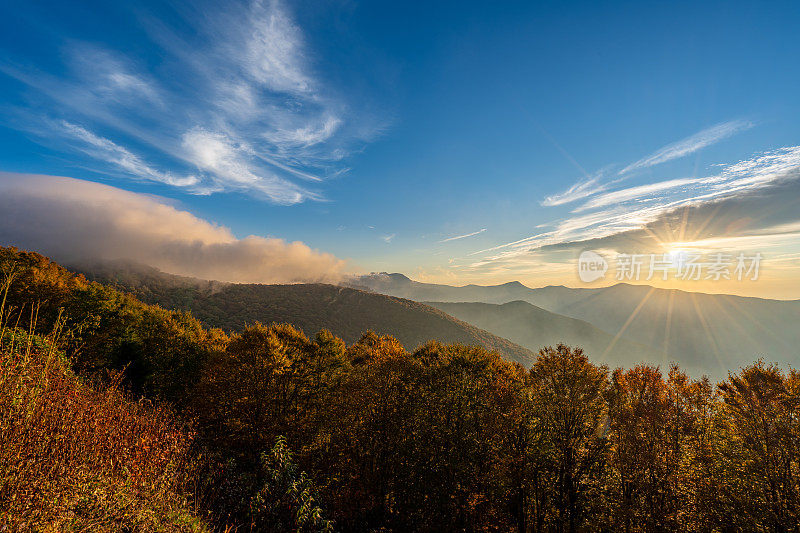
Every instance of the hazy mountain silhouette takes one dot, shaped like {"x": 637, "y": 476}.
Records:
{"x": 715, "y": 333}
{"x": 402, "y": 286}
{"x": 534, "y": 327}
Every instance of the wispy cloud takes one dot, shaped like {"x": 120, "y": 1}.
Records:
{"x": 602, "y": 181}
{"x": 463, "y": 236}
{"x": 111, "y": 76}
{"x": 274, "y": 50}
{"x": 579, "y": 191}
{"x": 234, "y": 105}
{"x": 228, "y": 165}
{"x": 105, "y": 150}
{"x": 638, "y": 192}
{"x": 307, "y": 135}
{"x": 690, "y": 145}
{"x": 749, "y": 186}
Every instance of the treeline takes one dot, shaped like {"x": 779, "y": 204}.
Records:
{"x": 298, "y": 434}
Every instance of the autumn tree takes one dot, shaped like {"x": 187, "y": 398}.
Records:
{"x": 569, "y": 391}
{"x": 759, "y": 448}
{"x": 366, "y": 434}
{"x": 656, "y": 429}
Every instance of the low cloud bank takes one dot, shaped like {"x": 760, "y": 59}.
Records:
{"x": 76, "y": 221}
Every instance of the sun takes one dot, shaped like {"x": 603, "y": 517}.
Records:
{"x": 676, "y": 255}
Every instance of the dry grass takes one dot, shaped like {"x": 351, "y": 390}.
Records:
{"x": 75, "y": 457}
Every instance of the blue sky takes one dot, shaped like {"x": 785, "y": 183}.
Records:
{"x": 459, "y": 141}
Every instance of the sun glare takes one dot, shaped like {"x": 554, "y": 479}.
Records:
{"x": 677, "y": 254}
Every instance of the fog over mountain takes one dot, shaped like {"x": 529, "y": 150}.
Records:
{"x": 75, "y": 221}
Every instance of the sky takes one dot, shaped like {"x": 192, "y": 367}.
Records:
{"x": 455, "y": 142}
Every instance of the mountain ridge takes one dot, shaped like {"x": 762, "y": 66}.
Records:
{"x": 715, "y": 332}
{"x": 346, "y": 312}
{"x": 531, "y": 326}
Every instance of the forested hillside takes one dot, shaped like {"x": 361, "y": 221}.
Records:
{"x": 345, "y": 312}
{"x": 127, "y": 417}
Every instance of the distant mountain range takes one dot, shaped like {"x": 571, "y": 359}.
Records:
{"x": 534, "y": 327}
{"x": 704, "y": 333}
{"x": 621, "y": 325}
{"x": 346, "y": 312}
